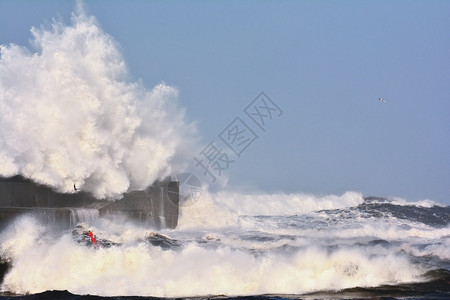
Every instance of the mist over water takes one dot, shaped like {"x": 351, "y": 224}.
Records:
{"x": 70, "y": 114}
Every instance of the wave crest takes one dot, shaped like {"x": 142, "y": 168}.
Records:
{"x": 70, "y": 115}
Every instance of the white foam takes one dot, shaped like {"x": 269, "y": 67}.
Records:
{"x": 425, "y": 203}
{"x": 440, "y": 248}
{"x": 70, "y": 114}
{"x": 137, "y": 268}
{"x": 389, "y": 229}
{"x": 213, "y": 210}
{"x": 420, "y": 203}
{"x": 207, "y": 212}
{"x": 287, "y": 204}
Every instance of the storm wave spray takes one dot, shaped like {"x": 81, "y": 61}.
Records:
{"x": 70, "y": 115}
{"x": 234, "y": 254}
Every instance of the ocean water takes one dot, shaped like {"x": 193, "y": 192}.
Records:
{"x": 118, "y": 136}
{"x": 333, "y": 247}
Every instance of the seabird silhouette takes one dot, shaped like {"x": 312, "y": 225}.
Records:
{"x": 382, "y": 100}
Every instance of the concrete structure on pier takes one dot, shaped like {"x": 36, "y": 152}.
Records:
{"x": 156, "y": 206}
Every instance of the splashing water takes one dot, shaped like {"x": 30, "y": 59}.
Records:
{"x": 333, "y": 249}
{"x": 70, "y": 116}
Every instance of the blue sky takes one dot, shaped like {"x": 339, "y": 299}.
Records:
{"x": 324, "y": 63}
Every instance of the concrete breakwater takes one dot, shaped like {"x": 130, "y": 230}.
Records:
{"x": 156, "y": 206}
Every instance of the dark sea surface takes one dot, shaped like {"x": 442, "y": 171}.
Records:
{"x": 377, "y": 249}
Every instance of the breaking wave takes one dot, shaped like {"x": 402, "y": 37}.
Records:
{"x": 223, "y": 208}
{"x": 369, "y": 244}
{"x": 71, "y": 116}
{"x": 43, "y": 262}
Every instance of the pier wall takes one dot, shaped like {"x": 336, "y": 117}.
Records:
{"x": 156, "y": 206}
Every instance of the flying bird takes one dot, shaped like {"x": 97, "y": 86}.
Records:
{"x": 382, "y": 100}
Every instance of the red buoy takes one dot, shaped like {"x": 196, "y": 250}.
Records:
{"x": 94, "y": 241}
